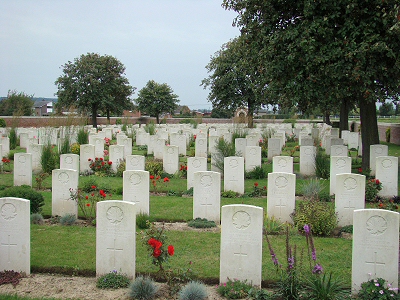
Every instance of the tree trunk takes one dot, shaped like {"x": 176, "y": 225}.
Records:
{"x": 369, "y": 129}
{"x": 94, "y": 116}
{"x": 158, "y": 119}
{"x": 108, "y": 117}
{"x": 344, "y": 115}
{"x": 327, "y": 118}
{"x": 250, "y": 120}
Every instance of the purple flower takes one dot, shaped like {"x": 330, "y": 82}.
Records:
{"x": 306, "y": 229}
{"x": 291, "y": 262}
{"x": 318, "y": 269}
{"x": 314, "y": 254}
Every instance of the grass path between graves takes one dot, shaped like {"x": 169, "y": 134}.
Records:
{"x": 73, "y": 248}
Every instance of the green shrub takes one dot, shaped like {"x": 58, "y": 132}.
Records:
{"x": 273, "y": 226}
{"x": 323, "y": 287}
{"x": 201, "y": 223}
{"x": 65, "y": 145}
{"x": 154, "y": 167}
{"x": 76, "y": 148}
{"x": 143, "y": 288}
{"x": 121, "y": 168}
{"x": 142, "y": 147}
{"x": 150, "y": 128}
{"x": 257, "y": 173}
{"x": 68, "y": 219}
{"x": 312, "y": 189}
{"x": 142, "y": 220}
{"x": 13, "y": 138}
{"x": 189, "y": 192}
{"x": 319, "y": 215}
{"x": 3, "y": 123}
{"x": 387, "y": 135}
{"x": 322, "y": 165}
{"x": 87, "y": 185}
{"x": 229, "y": 194}
{"x": 222, "y": 149}
{"x": 112, "y": 280}
{"x": 193, "y": 291}
{"x": 49, "y": 159}
{"x": 347, "y": 229}
{"x": 37, "y": 218}
{"x": 372, "y": 188}
{"x": 82, "y": 137}
{"x": 25, "y": 192}
{"x": 377, "y": 289}
{"x": 118, "y": 121}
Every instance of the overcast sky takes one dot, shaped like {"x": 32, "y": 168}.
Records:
{"x": 169, "y": 41}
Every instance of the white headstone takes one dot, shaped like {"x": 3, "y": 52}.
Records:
{"x": 274, "y": 147}
{"x": 241, "y": 243}
{"x": 135, "y": 163}
{"x": 339, "y": 150}
{"x": 69, "y": 161}
{"x": 345, "y": 136}
{"x": 307, "y": 160}
{"x": 36, "y": 151}
{"x": 116, "y": 238}
{"x": 63, "y": 181}
{"x": 127, "y": 146}
{"x": 387, "y": 173}
{"x": 375, "y": 151}
{"x": 213, "y": 141}
{"x": 194, "y": 164}
{"x": 201, "y": 147}
{"x": 282, "y": 164}
{"x": 15, "y": 235}
{"x": 86, "y": 153}
{"x": 240, "y": 146}
{"x": 22, "y": 169}
{"x": 349, "y": 196}
{"x": 116, "y": 156}
{"x": 339, "y": 164}
{"x": 252, "y": 157}
{"x": 206, "y": 195}
{"x": 352, "y": 140}
{"x": 281, "y": 196}
{"x": 179, "y": 140}
{"x": 5, "y": 143}
{"x": 234, "y": 174}
{"x": 375, "y": 247}
{"x": 159, "y": 149}
{"x": 136, "y": 189}
{"x": 171, "y": 159}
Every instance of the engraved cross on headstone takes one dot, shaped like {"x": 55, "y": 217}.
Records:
{"x": 206, "y": 203}
{"x": 114, "y": 249}
{"x": 376, "y": 264}
{"x": 240, "y": 255}
{"x": 351, "y": 205}
{"x": 280, "y": 205}
{"x": 8, "y": 245}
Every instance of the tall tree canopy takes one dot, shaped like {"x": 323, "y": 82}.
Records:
{"x": 155, "y": 99}
{"x": 16, "y": 104}
{"x": 324, "y": 53}
{"x": 94, "y": 83}
{"x": 233, "y": 79}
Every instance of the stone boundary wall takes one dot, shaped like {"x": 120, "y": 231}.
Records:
{"x": 66, "y": 121}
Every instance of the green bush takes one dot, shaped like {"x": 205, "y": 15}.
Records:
{"x": 154, "y": 167}
{"x": 312, "y": 189}
{"x": 189, "y": 192}
{"x": 112, "y": 280}
{"x": 49, "y": 159}
{"x": 229, "y": 194}
{"x": 235, "y": 289}
{"x": 143, "y": 288}
{"x": 37, "y": 218}
{"x": 68, "y": 219}
{"x": 193, "y": 291}
{"x": 65, "y": 145}
{"x": 322, "y": 165}
{"x": 321, "y": 217}
{"x": 83, "y": 136}
{"x": 257, "y": 173}
{"x": 25, "y": 192}
{"x": 377, "y": 289}
{"x": 3, "y": 123}
{"x": 13, "y": 138}
{"x": 142, "y": 220}
{"x": 222, "y": 149}
{"x": 118, "y": 121}
{"x": 347, "y": 229}
{"x": 201, "y": 223}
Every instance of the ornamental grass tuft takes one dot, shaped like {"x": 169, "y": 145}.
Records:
{"x": 193, "y": 291}
{"x": 143, "y": 288}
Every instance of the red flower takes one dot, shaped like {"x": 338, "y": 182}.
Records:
{"x": 171, "y": 250}
{"x": 101, "y": 158}
{"x": 87, "y": 204}
{"x": 151, "y": 176}
{"x": 264, "y": 187}
{"x": 377, "y": 181}
{"x": 110, "y": 163}
{"x": 102, "y": 163}
{"x": 359, "y": 170}
{"x": 194, "y": 136}
{"x": 96, "y": 158}
{"x": 87, "y": 197}
{"x": 156, "y": 244}
{"x": 92, "y": 194}
{"x": 156, "y": 252}
{"x": 158, "y": 177}
{"x": 93, "y": 187}
{"x": 89, "y": 159}
{"x": 256, "y": 184}
{"x": 166, "y": 179}
{"x": 380, "y": 205}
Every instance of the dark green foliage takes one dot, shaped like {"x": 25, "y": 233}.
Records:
{"x": 229, "y": 194}
{"x": 13, "y": 138}
{"x": 189, "y": 192}
{"x": 25, "y": 192}
{"x": 323, "y": 287}
{"x": 193, "y": 291}
{"x": 257, "y": 173}
{"x": 87, "y": 185}
{"x": 325, "y": 197}
{"x": 322, "y": 165}
{"x": 320, "y": 216}
{"x": 143, "y": 288}
{"x": 142, "y": 220}
{"x": 49, "y": 158}
{"x": 112, "y": 280}
{"x": 3, "y": 123}
{"x": 154, "y": 167}
{"x": 201, "y": 223}
{"x": 347, "y": 229}
{"x": 68, "y": 219}
{"x": 223, "y": 149}
{"x": 65, "y": 146}
{"x": 16, "y": 104}
{"x": 259, "y": 294}
{"x": 375, "y": 289}
{"x": 83, "y": 136}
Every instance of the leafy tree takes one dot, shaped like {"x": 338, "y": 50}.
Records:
{"x": 18, "y": 104}
{"x": 386, "y": 109}
{"x": 326, "y": 53}
{"x": 94, "y": 83}
{"x": 233, "y": 80}
{"x": 155, "y": 99}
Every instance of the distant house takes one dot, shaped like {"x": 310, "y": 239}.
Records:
{"x": 43, "y": 108}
